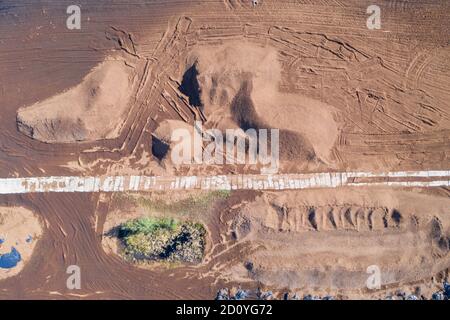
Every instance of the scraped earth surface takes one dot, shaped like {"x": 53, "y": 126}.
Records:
{"x": 20, "y": 231}
{"x": 301, "y": 239}
{"x": 102, "y": 101}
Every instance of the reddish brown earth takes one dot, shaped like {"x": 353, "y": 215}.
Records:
{"x": 353, "y": 98}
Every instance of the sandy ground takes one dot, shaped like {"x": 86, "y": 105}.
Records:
{"x": 328, "y": 240}
{"x": 20, "y": 229}
{"x": 360, "y": 99}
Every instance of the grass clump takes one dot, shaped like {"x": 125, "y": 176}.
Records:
{"x": 152, "y": 239}
{"x": 148, "y": 225}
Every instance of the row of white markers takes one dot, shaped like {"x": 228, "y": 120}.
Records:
{"x": 224, "y": 182}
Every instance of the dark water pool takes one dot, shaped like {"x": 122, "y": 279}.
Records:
{"x": 10, "y": 260}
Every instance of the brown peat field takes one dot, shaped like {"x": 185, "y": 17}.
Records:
{"x": 362, "y": 111}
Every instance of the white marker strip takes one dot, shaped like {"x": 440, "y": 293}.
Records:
{"x": 223, "y": 182}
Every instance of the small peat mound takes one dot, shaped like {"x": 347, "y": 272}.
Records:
{"x": 238, "y": 86}
{"x": 163, "y": 139}
{"x": 162, "y": 239}
{"x": 292, "y": 145}
{"x": 93, "y": 110}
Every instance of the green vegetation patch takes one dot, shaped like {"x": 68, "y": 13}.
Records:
{"x": 163, "y": 239}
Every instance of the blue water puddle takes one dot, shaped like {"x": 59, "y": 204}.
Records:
{"x": 2, "y": 240}
{"x": 10, "y": 260}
